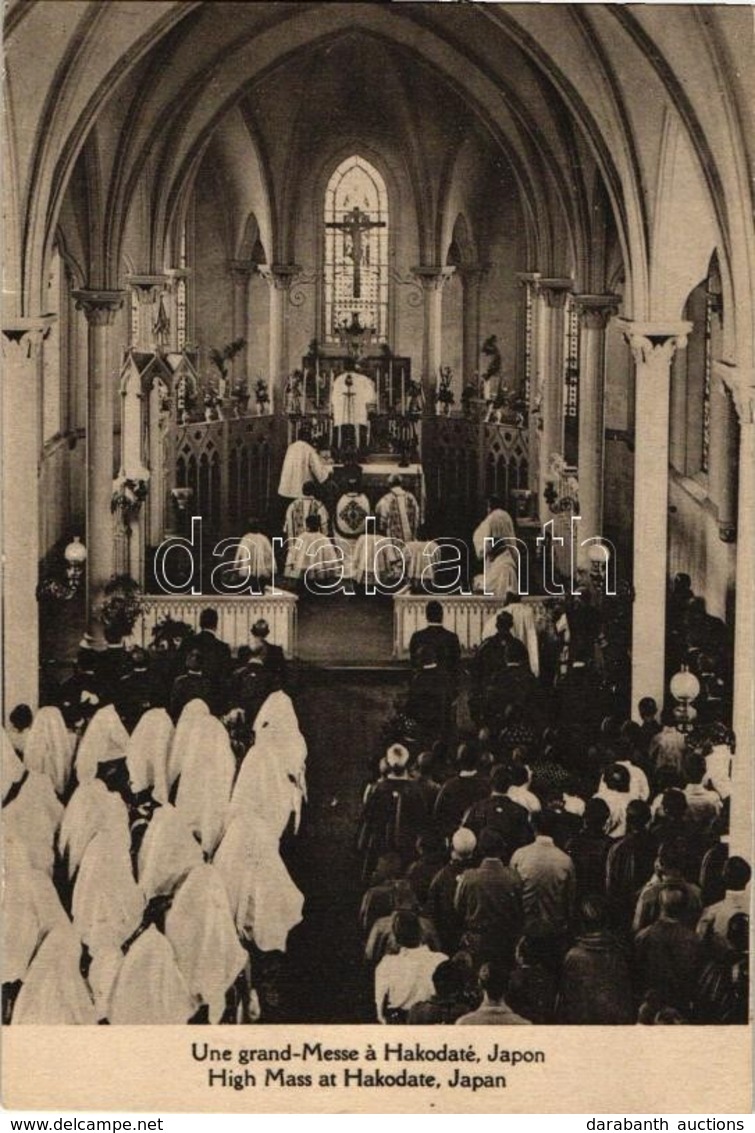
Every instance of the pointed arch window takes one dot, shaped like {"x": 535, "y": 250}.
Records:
{"x": 356, "y": 249}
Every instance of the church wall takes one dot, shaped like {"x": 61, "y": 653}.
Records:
{"x": 258, "y": 323}
{"x": 695, "y": 546}
{"x": 453, "y": 333}
{"x": 211, "y": 279}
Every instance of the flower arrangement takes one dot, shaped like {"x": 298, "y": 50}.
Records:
{"x": 121, "y": 605}
{"x": 561, "y": 492}
{"x": 221, "y": 357}
{"x": 129, "y": 493}
{"x": 261, "y": 394}
{"x": 169, "y": 634}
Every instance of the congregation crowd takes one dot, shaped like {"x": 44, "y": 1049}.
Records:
{"x": 538, "y": 857}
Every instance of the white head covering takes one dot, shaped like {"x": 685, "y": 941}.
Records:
{"x": 149, "y": 988}
{"x": 107, "y": 903}
{"x": 33, "y": 818}
{"x": 169, "y": 851}
{"x": 104, "y": 740}
{"x": 271, "y": 782}
{"x": 192, "y": 712}
{"x": 498, "y": 524}
{"x": 11, "y": 767}
{"x": 49, "y": 748}
{"x": 31, "y": 908}
{"x": 147, "y": 754}
{"x": 203, "y": 934}
{"x": 204, "y": 788}
{"x": 264, "y": 900}
{"x": 54, "y": 991}
{"x": 92, "y": 808}
{"x": 397, "y": 756}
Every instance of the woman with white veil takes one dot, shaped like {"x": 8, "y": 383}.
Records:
{"x": 147, "y": 754}
{"x": 202, "y": 931}
{"x": 91, "y": 808}
{"x": 264, "y": 901}
{"x": 104, "y": 741}
{"x": 149, "y": 987}
{"x": 208, "y": 768}
{"x": 494, "y": 543}
{"x": 192, "y": 712}
{"x": 54, "y": 991}
{"x": 167, "y": 855}
{"x": 31, "y": 809}
{"x": 49, "y": 748}
{"x": 271, "y": 782}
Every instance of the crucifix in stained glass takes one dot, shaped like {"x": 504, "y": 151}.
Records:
{"x": 353, "y": 225}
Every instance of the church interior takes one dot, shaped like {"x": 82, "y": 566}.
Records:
{"x": 484, "y": 271}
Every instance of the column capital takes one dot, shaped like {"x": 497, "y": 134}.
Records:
{"x": 433, "y": 277}
{"x": 279, "y": 276}
{"x": 23, "y": 337}
{"x": 554, "y": 291}
{"x": 241, "y": 270}
{"x": 146, "y": 287}
{"x": 741, "y": 386}
{"x": 655, "y": 343}
{"x": 472, "y": 273}
{"x": 527, "y": 278}
{"x": 100, "y": 307}
{"x": 596, "y": 310}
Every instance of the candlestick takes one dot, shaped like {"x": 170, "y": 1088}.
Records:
{"x": 390, "y": 385}
{"x": 403, "y": 392}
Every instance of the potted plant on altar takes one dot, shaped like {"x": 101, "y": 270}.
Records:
{"x": 469, "y": 395}
{"x": 293, "y": 394}
{"x": 240, "y": 397}
{"x": 261, "y": 395}
{"x": 121, "y": 605}
{"x": 129, "y": 493}
{"x": 444, "y": 395}
{"x": 213, "y": 406}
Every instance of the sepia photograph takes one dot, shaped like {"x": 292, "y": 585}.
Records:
{"x": 378, "y": 554}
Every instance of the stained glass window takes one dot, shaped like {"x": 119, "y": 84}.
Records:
{"x": 356, "y": 249}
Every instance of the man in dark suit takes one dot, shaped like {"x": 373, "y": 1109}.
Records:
{"x": 499, "y": 812}
{"x": 264, "y": 671}
{"x": 215, "y": 657}
{"x": 442, "y": 641}
{"x": 112, "y": 663}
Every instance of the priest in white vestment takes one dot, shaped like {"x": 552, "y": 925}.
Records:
{"x": 299, "y": 510}
{"x": 312, "y": 557}
{"x": 397, "y": 512}
{"x": 352, "y": 398}
{"x": 254, "y": 563}
{"x": 302, "y": 463}
{"x": 349, "y": 522}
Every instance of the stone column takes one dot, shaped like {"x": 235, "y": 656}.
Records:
{"x": 653, "y": 347}
{"x": 100, "y": 308}
{"x": 552, "y": 294}
{"x": 241, "y": 274}
{"x": 432, "y": 280}
{"x": 594, "y": 313}
{"x": 174, "y": 277}
{"x": 528, "y": 280}
{"x": 22, "y": 348}
{"x": 279, "y": 278}
{"x": 471, "y": 280}
{"x": 742, "y": 386}
{"x": 147, "y": 289}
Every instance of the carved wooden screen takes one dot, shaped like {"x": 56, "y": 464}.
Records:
{"x": 506, "y": 461}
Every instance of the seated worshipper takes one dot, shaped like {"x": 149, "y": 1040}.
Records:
{"x": 394, "y": 813}
{"x": 111, "y": 664}
{"x": 301, "y": 464}
{"x": 549, "y": 877}
{"x": 668, "y": 872}
{"x": 494, "y": 1009}
{"x": 137, "y": 691}
{"x": 423, "y": 775}
{"x": 54, "y": 991}
{"x": 667, "y": 748}
{"x": 533, "y": 986}
{"x": 405, "y": 978}
{"x": 649, "y": 728}
{"x": 668, "y": 955}
{"x": 430, "y": 698}
{"x": 101, "y": 753}
{"x": 190, "y": 685}
{"x": 265, "y": 903}
{"x": 264, "y": 671}
{"x": 313, "y": 558}
{"x": 91, "y": 808}
{"x": 147, "y": 755}
{"x": 202, "y": 930}
{"x": 31, "y": 909}
{"x": 214, "y": 654}
{"x": 492, "y": 541}
{"x": 149, "y": 988}
{"x": 447, "y": 1004}
{"x": 722, "y": 994}
{"x": 703, "y": 804}
{"x": 208, "y": 769}
{"x": 49, "y": 749}
{"x": 19, "y": 723}
{"x": 31, "y": 811}
{"x": 523, "y": 628}
{"x": 630, "y": 863}
{"x": 349, "y": 520}
{"x": 382, "y": 939}
{"x": 719, "y": 755}
{"x": 459, "y": 793}
{"x": 500, "y": 812}
{"x": 431, "y": 857}
{"x": 423, "y": 557}
{"x": 614, "y": 789}
{"x": 271, "y": 783}
{"x": 397, "y": 512}
{"x": 440, "y": 905}
{"x": 167, "y": 855}
{"x": 380, "y": 899}
{"x": 79, "y": 696}
{"x": 489, "y": 900}
{"x": 185, "y": 725}
{"x": 445, "y": 643}
{"x": 519, "y": 792}
{"x": 596, "y": 984}
{"x": 301, "y": 509}
{"x": 714, "y": 921}
{"x": 254, "y": 562}
{"x": 377, "y": 562}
